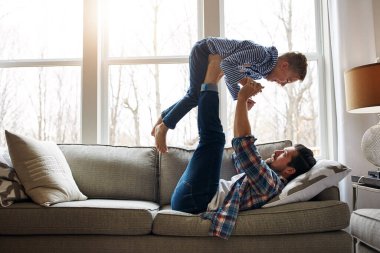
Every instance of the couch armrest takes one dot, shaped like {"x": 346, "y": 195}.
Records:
{"x": 331, "y": 193}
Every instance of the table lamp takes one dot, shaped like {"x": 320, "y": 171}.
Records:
{"x": 363, "y": 96}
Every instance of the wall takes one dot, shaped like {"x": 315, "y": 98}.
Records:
{"x": 376, "y": 17}
{"x": 370, "y": 198}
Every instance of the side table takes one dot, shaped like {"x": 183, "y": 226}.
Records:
{"x": 359, "y": 190}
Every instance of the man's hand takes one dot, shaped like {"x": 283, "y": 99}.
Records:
{"x": 248, "y": 90}
{"x": 245, "y": 81}
{"x": 242, "y": 126}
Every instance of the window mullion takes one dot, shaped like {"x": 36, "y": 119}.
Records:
{"x": 213, "y": 27}
{"x": 39, "y": 63}
{"x": 103, "y": 122}
{"x": 90, "y": 73}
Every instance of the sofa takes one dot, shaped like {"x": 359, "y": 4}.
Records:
{"x": 365, "y": 229}
{"x": 127, "y": 209}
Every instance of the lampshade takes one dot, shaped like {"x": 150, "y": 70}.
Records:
{"x": 363, "y": 89}
{"x": 363, "y": 96}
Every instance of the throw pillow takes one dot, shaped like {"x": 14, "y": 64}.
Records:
{"x": 324, "y": 174}
{"x": 42, "y": 170}
{"x": 11, "y": 189}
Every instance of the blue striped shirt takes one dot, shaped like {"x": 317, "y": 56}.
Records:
{"x": 242, "y": 58}
{"x": 256, "y": 187}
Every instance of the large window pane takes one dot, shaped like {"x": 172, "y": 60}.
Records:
{"x": 287, "y": 24}
{"x": 43, "y": 103}
{"x": 280, "y": 113}
{"x": 40, "y": 29}
{"x": 137, "y": 95}
{"x": 151, "y": 27}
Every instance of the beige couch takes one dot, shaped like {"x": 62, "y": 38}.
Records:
{"x": 128, "y": 210}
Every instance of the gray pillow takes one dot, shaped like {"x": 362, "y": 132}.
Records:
{"x": 11, "y": 189}
{"x": 324, "y": 174}
{"x": 42, "y": 170}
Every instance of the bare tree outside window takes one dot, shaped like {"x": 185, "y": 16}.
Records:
{"x": 38, "y": 98}
{"x": 44, "y": 104}
{"x": 139, "y": 93}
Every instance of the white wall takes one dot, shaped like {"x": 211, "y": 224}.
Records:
{"x": 376, "y": 19}
{"x": 351, "y": 46}
{"x": 366, "y": 199}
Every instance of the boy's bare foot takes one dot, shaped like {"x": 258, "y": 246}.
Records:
{"x": 214, "y": 72}
{"x": 153, "y": 132}
{"x": 160, "y": 137}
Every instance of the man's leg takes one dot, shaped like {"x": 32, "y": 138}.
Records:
{"x": 200, "y": 180}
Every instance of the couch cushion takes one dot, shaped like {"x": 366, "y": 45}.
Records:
{"x": 112, "y": 172}
{"x": 42, "y": 170}
{"x": 95, "y": 216}
{"x": 173, "y": 164}
{"x": 365, "y": 225}
{"x": 331, "y": 193}
{"x": 295, "y": 218}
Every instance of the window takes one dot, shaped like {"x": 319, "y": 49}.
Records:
{"x": 291, "y": 112}
{"x": 146, "y": 61}
{"x": 40, "y": 74}
{"x": 140, "y": 53}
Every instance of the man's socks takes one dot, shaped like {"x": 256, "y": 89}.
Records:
{"x": 209, "y": 87}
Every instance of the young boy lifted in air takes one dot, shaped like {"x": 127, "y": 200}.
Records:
{"x": 241, "y": 62}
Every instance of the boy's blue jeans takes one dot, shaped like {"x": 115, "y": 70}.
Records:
{"x": 199, "y": 182}
{"x": 198, "y": 62}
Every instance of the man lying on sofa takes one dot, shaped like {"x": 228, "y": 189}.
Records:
{"x": 200, "y": 190}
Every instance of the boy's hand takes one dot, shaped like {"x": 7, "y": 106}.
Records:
{"x": 250, "y": 89}
{"x": 250, "y": 104}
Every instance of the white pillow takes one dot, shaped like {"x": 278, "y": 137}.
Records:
{"x": 42, "y": 170}
{"x": 324, "y": 174}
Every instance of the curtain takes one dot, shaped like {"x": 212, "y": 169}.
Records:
{"x": 352, "y": 38}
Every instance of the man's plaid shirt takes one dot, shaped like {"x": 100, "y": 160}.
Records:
{"x": 257, "y": 185}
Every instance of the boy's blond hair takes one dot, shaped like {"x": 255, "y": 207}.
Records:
{"x": 297, "y": 63}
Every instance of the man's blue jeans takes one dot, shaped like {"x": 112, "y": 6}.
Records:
{"x": 198, "y": 63}
{"x": 199, "y": 182}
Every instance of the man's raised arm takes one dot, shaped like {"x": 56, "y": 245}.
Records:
{"x": 241, "y": 122}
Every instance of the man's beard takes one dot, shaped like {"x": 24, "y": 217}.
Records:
{"x": 269, "y": 160}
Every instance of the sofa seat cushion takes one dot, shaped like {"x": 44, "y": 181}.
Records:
{"x": 93, "y": 216}
{"x": 295, "y": 218}
{"x": 365, "y": 225}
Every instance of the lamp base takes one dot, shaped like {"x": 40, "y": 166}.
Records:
{"x": 374, "y": 174}
{"x": 371, "y": 144}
